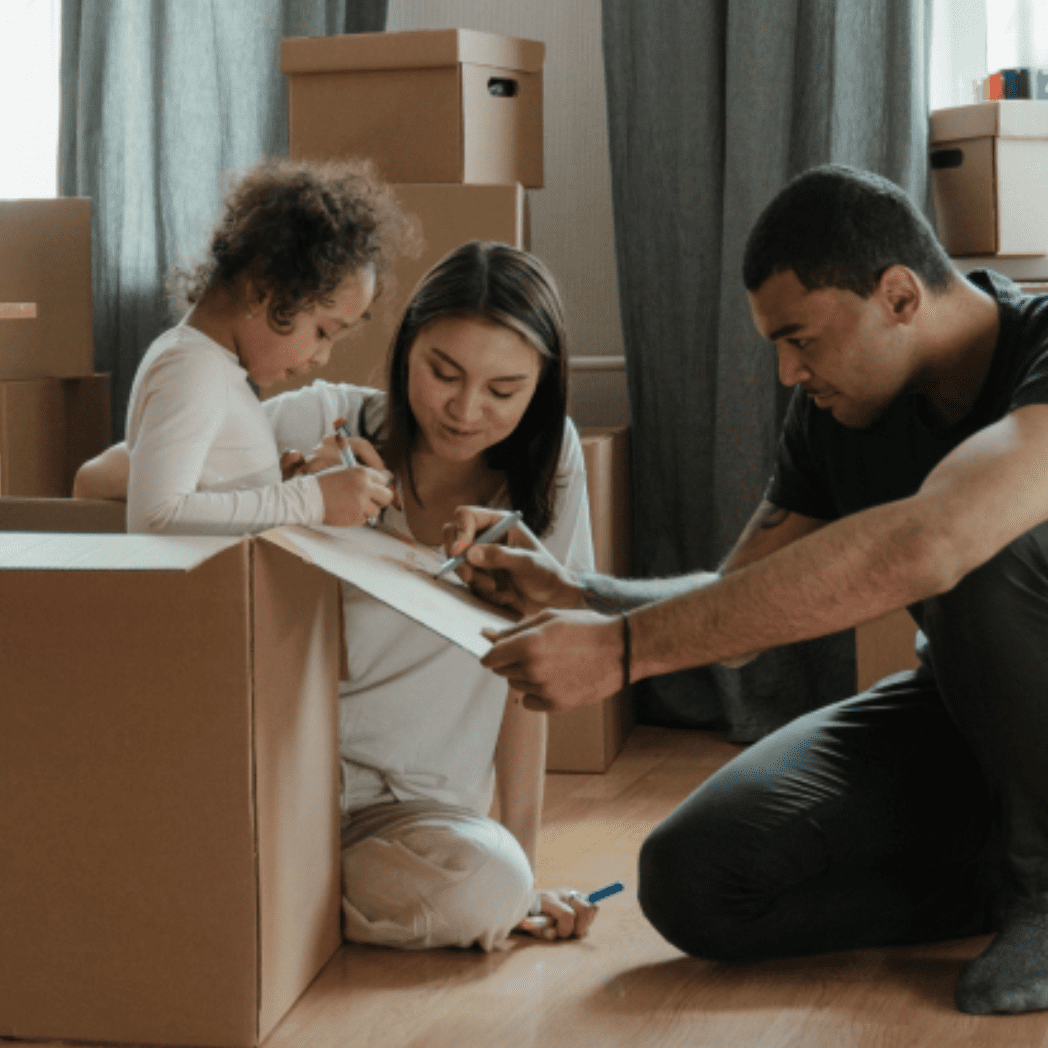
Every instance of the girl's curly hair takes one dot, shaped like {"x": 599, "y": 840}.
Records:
{"x": 296, "y": 230}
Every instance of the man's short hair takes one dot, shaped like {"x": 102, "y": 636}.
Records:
{"x": 839, "y": 227}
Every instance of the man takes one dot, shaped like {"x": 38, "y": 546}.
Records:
{"x": 912, "y": 470}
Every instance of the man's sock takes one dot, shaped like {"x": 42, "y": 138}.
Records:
{"x": 1011, "y": 975}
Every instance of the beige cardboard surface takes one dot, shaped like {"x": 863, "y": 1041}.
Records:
{"x": 1011, "y": 118}
{"x": 45, "y": 259}
{"x": 449, "y": 215}
{"x": 62, "y": 514}
{"x": 589, "y": 739}
{"x": 427, "y": 47}
{"x": 167, "y": 769}
{"x": 990, "y": 196}
{"x": 48, "y": 428}
{"x": 435, "y": 106}
{"x": 125, "y": 778}
{"x": 296, "y": 630}
{"x": 32, "y": 439}
{"x": 883, "y": 646}
{"x": 399, "y": 573}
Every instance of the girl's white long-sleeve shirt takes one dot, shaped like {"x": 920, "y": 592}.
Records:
{"x": 203, "y": 456}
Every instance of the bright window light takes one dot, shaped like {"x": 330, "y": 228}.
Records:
{"x": 30, "y": 47}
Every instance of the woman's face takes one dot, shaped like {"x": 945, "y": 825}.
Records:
{"x": 270, "y": 356}
{"x": 469, "y": 383}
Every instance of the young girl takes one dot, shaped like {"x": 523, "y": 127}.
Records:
{"x": 295, "y": 262}
{"x": 475, "y": 415}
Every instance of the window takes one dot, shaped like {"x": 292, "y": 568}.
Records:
{"x": 971, "y": 38}
{"x": 30, "y": 48}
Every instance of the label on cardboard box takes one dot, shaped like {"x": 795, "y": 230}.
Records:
{"x": 17, "y": 311}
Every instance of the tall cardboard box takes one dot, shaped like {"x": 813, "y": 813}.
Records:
{"x": 589, "y": 739}
{"x": 989, "y": 172}
{"x": 48, "y": 428}
{"x": 883, "y": 646}
{"x": 168, "y": 787}
{"x": 46, "y": 312}
{"x": 450, "y": 215}
{"x": 443, "y": 105}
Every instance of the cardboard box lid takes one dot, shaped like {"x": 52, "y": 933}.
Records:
{"x": 374, "y": 561}
{"x": 426, "y": 48}
{"x": 1014, "y": 118}
{"x": 67, "y": 551}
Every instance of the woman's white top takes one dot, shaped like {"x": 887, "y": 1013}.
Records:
{"x": 203, "y": 457}
{"x": 419, "y": 717}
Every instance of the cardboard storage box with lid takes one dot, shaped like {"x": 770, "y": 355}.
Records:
{"x": 46, "y": 313}
{"x": 168, "y": 784}
{"x": 989, "y": 173}
{"x": 444, "y": 105}
{"x": 449, "y": 215}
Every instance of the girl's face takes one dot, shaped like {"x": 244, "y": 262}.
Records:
{"x": 469, "y": 383}
{"x": 270, "y": 356}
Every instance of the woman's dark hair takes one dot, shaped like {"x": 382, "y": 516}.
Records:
{"x": 839, "y": 227}
{"x": 501, "y": 285}
{"x": 297, "y": 230}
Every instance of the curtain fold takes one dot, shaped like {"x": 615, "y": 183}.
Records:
{"x": 162, "y": 101}
{"x": 713, "y": 105}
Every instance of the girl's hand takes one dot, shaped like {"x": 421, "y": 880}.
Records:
{"x": 354, "y": 495}
{"x": 564, "y": 914}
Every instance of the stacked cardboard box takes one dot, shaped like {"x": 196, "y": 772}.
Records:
{"x": 54, "y": 411}
{"x": 989, "y": 166}
{"x": 451, "y": 117}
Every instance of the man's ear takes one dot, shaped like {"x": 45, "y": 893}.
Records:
{"x": 899, "y": 292}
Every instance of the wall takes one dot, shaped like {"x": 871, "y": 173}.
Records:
{"x": 571, "y": 217}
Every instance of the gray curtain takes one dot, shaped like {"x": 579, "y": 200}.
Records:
{"x": 713, "y": 105}
{"x": 162, "y": 100}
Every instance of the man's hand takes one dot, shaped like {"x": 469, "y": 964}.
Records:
{"x": 521, "y": 575}
{"x": 559, "y": 660}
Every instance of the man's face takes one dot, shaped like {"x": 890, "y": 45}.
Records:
{"x": 837, "y": 345}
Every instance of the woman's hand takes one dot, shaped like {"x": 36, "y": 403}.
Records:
{"x": 522, "y": 574}
{"x": 562, "y": 914}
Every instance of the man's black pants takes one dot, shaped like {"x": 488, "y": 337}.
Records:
{"x": 915, "y": 812}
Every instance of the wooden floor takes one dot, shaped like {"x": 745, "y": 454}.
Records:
{"x": 623, "y": 985}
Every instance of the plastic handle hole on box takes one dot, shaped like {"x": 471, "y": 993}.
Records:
{"x": 947, "y": 158}
{"x": 502, "y": 87}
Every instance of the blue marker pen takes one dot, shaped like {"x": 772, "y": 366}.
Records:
{"x": 542, "y": 922}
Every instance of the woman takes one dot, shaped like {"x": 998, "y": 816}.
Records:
{"x": 475, "y": 415}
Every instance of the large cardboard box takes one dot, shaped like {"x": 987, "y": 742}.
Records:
{"x": 48, "y": 428}
{"x": 62, "y": 514}
{"x": 444, "y": 105}
{"x": 589, "y": 739}
{"x": 450, "y": 215}
{"x": 46, "y": 313}
{"x": 989, "y": 176}
{"x": 168, "y": 787}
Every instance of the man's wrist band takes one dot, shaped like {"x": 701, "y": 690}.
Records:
{"x": 625, "y": 650}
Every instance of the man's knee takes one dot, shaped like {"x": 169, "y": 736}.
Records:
{"x": 695, "y": 892}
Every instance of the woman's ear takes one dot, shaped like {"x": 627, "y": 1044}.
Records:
{"x": 900, "y": 293}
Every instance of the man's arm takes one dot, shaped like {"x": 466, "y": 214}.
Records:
{"x": 987, "y": 492}
{"x": 768, "y": 530}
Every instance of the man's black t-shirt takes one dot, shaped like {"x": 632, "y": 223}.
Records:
{"x": 826, "y": 470}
